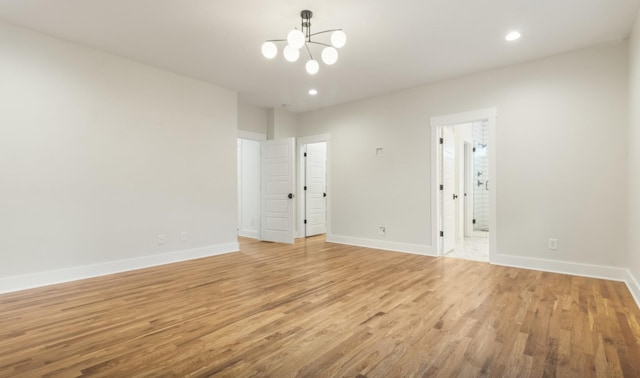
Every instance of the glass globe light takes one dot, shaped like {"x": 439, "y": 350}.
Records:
{"x": 291, "y": 54}
{"x": 329, "y": 55}
{"x": 295, "y": 38}
{"x": 514, "y": 35}
{"x": 312, "y": 67}
{"x": 338, "y": 39}
{"x": 269, "y": 50}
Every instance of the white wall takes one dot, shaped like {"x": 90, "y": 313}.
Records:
{"x": 99, "y": 155}
{"x": 252, "y": 118}
{"x": 281, "y": 124}
{"x": 634, "y": 152}
{"x": 561, "y": 156}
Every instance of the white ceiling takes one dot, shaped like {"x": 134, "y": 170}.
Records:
{"x": 391, "y": 45}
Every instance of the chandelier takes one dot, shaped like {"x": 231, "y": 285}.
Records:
{"x": 298, "y": 39}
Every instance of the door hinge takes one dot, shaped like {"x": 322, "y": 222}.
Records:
{"x": 441, "y": 233}
{"x": 474, "y": 221}
{"x": 441, "y": 140}
{"x": 305, "y": 154}
{"x": 305, "y": 221}
{"x": 441, "y": 187}
{"x": 474, "y": 149}
{"x": 305, "y": 188}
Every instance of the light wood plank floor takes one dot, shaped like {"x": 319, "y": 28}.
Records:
{"x": 322, "y": 309}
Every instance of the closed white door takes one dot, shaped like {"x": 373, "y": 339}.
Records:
{"x": 316, "y": 192}
{"x": 277, "y": 191}
{"x": 448, "y": 192}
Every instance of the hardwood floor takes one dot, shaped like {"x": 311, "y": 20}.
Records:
{"x": 322, "y": 309}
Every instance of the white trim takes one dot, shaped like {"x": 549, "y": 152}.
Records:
{"x": 243, "y": 134}
{"x": 386, "y": 245}
{"x": 249, "y": 234}
{"x": 301, "y": 141}
{"x": 464, "y": 117}
{"x": 435, "y": 193}
{"x": 634, "y": 286}
{"x": 29, "y": 281}
{"x": 563, "y": 267}
{"x": 489, "y": 114}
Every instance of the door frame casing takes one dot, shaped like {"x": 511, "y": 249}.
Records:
{"x": 300, "y": 142}
{"x": 467, "y": 229}
{"x": 490, "y": 115}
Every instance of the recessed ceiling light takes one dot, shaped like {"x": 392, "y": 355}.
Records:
{"x": 514, "y": 35}
{"x": 313, "y": 92}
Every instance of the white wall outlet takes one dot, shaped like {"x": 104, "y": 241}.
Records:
{"x": 183, "y": 236}
{"x": 379, "y": 151}
{"x": 161, "y": 239}
{"x": 552, "y": 244}
{"x": 382, "y": 230}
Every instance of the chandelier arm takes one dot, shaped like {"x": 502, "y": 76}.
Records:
{"x": 319, "y": 43}
{"x": 276, "y": 40}
{"x": 309, "y": 51}
{"x": 326, "y": 31}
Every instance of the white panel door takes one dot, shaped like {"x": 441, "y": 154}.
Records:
{"x": 448, "y": 192}
{"x": 316, "y": 183}
{"x": 277, "y": 191}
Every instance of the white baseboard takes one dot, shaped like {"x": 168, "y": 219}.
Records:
{"x": 634, "y": 286}
{"x": 29, "y": 281}
{"x": 564, "y": 267}
{"x": 386, "y": 245}
{"x": 249, "y": 234}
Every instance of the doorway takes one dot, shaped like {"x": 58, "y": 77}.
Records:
{"x": 265, "y": 187}
{"x": 248, "y": 159}
{"x": 463, "y": 223}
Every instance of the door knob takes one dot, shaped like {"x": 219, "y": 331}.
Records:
{"x": 455, "y": 196}
{"x": 290, "y": 195}
{"x": 324, "y": 194}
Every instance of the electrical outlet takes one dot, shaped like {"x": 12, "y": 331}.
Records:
{"x": 183, "y": 236}
{"x": 553, "y": 244}
{"x": 161, "y": 239}
{"x": 382, "y": 230}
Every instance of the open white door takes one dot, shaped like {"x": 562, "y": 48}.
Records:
{"x": 316, "y": 193}
{"x": 277, "y": 191}
{"x": 448, "y": 192}
{"x": 468, "y": 190}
